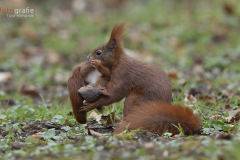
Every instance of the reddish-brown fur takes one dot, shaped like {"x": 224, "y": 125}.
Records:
{"x": 76, "y": 81}
{"x": 158, "y": 117}
{"x": 137, "y": 81}
{"x": 147, "y": 90}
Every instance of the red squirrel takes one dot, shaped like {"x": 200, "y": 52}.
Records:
{"x": 147, "y": 90}
{"x": 137, "y": 81}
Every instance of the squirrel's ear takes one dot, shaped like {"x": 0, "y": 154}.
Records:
{"x": 117, "y": 36}
{"x": 112, "y": 44}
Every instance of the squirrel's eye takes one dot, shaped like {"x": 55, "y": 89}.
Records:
{"x": 99, "y": 52}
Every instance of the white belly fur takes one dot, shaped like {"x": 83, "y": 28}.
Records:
{"x": 92, "y": 77}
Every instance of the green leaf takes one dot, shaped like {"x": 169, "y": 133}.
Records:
{"x": 49, "y": 134}
{"x": 3, "y": 120}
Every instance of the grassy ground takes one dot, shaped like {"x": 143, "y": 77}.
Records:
{"x": 196, "y": 42}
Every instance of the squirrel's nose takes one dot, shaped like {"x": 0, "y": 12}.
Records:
{"x": 90, "y": 58}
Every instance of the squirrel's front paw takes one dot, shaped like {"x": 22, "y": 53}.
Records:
{"x": 96, "y": 63}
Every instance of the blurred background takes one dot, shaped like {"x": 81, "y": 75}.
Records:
{"x": 191, "y": 40}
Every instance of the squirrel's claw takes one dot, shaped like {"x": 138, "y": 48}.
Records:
{"x": 86, "y": 107}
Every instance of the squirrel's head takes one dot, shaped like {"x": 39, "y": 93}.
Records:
{"x": 92, "y": 92}
{"x": 110, "y": 52}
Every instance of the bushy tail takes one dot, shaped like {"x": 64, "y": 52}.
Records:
{"x": 75, "y": 82}
{"x": 157, "y": 117}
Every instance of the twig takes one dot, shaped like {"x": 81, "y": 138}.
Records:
{"x": 211, "y": 108}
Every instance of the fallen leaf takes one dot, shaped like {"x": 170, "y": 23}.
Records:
{"x": 165, "y": 153}
{"x": 230, "y": 118}
{"x": 94, "y": 115}
{"x": 3, "y": 116}
{"x": 189, "y": 98}
{"x": 28, "y": 90}
{"x": 237, "y": 112}
{"x": 52, "y": 57}
{"x": 149, "y": 146}
{"x": 70, "y": 113}
{"x": 37, "y": 135}
{"x": 228, "y": 109}
{"x": 175, "y": 136}
{"x": 197, "y": 68}
{"x": 94, "y": 134}
{"x": 208, "y": 99}
{"x": 16, "y": 146}
{"x": 223, "y": 136}
{"x": 5, "y": 76}
{"x": 173, "y": 75}
{"x": 216, "y": 117}
{"x": 66, "y": 122}
{"x": 228, "y": 8}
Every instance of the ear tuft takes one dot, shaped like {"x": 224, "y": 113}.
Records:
{"x": 117, "y": 35}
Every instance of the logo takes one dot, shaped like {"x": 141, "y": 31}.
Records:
{"x": 26, "y": 12}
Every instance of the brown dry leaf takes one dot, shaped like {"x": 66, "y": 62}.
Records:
{"x": 197, "y": 68}
{"x": 237, "y": 112}
{"x": 70, "y": 113}
{"x": 223, "y": 136}
{"x": 216, "y": 117}
{"x": 230, "y": 118}
{"x": 149, "y": 146}
{"x": 208, "y": 99}
{"x": 228, "y": 109}
{"x": 175, "y": 136}
{"x": 37, "y": 135}
{"x": 52, "y": 57}
{"x": 228, "y": 8}
{"x": 5, "y": 76}
{"x": 96, "y": 116}
{"x": 3, "y": 116}
{"x": 173, "y": 75}
{"x": 66, "y": 122}
{"x": 94, "y": 134}
{"x": 189, "y": 98}
{"x": 28, "y": 90}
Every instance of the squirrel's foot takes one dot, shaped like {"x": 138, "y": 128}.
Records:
{"x": 87, "y": 107}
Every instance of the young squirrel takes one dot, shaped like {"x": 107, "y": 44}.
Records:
{"x": 76, "y": 81}
{"x": 80, "y": 76}
{"x": 94, "y": 91}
